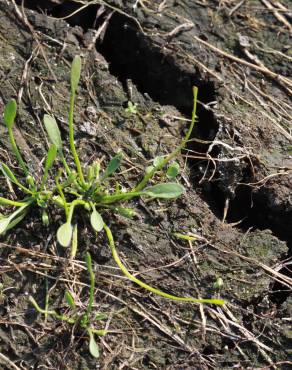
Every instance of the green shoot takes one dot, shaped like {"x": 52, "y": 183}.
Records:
{"x": 148, "y": 287}
{"x": 75, "y": 76}
{"x": 74, "y": 244}
{"x": 91, "y": 277}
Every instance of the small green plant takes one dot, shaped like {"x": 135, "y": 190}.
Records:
{"x": 132, "y": 108}
{"x": 89, "y": 188}
{"x": 218, "y": 284}
{"x": 86, "y": 319}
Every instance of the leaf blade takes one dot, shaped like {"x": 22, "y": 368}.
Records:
{"x": 75, "y": 72}
{"x": 113, "y": 165}
{"x": 93, "y": 348}
{"x": 51, "y": 156}
{"x": 96, "y": 220}
{"x": 10, "y": 113}
{"x": 168, "y": 190}
{"x": 64, "y": 234}
{"x": 53, "y": 131}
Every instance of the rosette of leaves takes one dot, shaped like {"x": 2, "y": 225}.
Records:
{"x": 89, "y": 185}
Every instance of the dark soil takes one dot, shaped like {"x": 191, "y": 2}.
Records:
{"x": 236, "y": 169}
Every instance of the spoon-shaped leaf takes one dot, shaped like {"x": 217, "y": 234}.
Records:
{"x": 166, "y": 191}
{"x": 53, "y": 131}
{"x": 113, "y": 165}
{"x": 93, "y": 348}
{"x": 10, "y": 113}
{"x": 75, "y": 72}
{"x": 64, "y": 234}
{"x": 96, "y": 220}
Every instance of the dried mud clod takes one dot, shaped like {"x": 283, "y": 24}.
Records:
{"x": 237, "y": 170}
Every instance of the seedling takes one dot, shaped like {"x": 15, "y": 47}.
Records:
{"x": 218, "y": 283}
{"x": 90, "y": 188}
{"x": 86, "y": 319}
{"x": 132, "y": 108}
{"x": 89, "y": 185}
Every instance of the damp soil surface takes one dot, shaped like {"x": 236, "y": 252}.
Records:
{"x": 236, "y": 170}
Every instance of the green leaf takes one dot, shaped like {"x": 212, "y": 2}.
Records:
{"x": 53, "y": 131}
{"x": 173, "y": 170}
{"x": 69, "y": 300}
{"x": 75, "y": 72}
{"x": 9, "y": 174}
{"x": 10, "y": 113}
{"x": 8, "y": 202}
{"x": 99, "y": 332}
{"x": 185, "y": 237}
{"x": 157, "y": 161}
{"x": 218, "y": 283}
{"x": 126, "y": 212}
{"x": 96, "y": 220}
{"x": 4, "y": 222}
{"x": 64, "y": 234}
{"x": 93, "y": 348}
{"x": 166, "y": 191}
{"x": 52, "y": 152}
{"x": 113, "y": 165}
